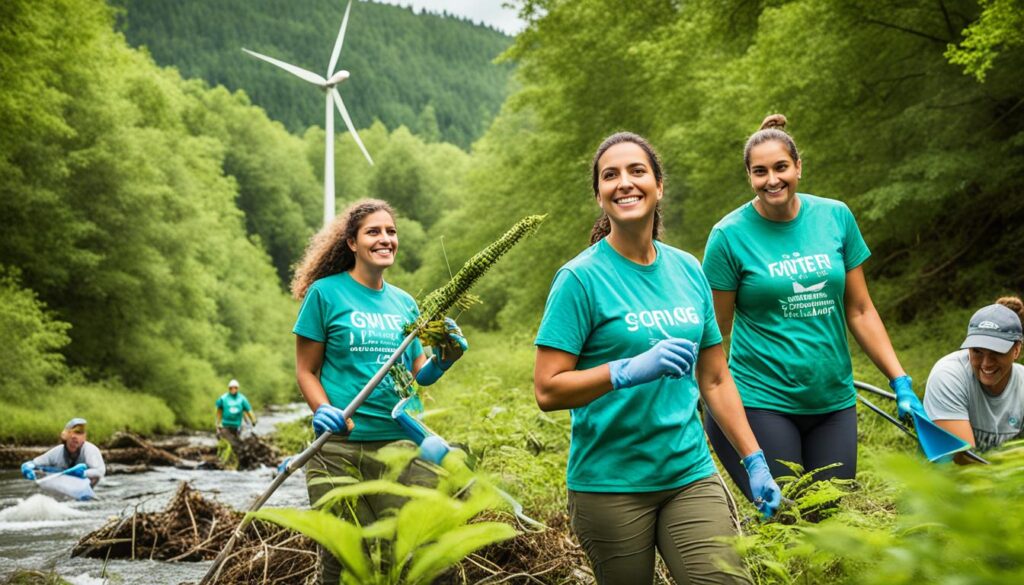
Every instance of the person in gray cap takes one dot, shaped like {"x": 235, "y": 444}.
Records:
{"x": 74, "y": 456}
{"x": 977, "y": 393}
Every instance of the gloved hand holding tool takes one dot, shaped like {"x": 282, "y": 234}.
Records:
{"x": 669, "y": 357}
{"x": 446, "y": 353}
{"x": 28, "y": 470}
{"x": 766, "y": 493}
{"x": 331, "y": 418}
{"x": 906, "y": 400}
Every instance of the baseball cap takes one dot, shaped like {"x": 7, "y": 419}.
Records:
{"x": 75, "y": 422}
{"x": 233, "y": 383}
{"x": 994, "y": 327}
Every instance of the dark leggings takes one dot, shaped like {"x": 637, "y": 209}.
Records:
{"x": 812, "y": 440}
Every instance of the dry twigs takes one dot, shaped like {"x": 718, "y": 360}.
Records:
{"x": 193, "y": 528}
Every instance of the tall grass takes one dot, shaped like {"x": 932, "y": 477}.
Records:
{"x": 108, "y": 410}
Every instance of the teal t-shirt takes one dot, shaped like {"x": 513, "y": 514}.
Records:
{"x": 603, "y": 307}
{"x": 232, "y": 408}
{"x": 789, "y": 351}
{"x": 360, "y": 328}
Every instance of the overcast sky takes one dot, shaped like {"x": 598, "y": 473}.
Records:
{"x": 483, "y": 11}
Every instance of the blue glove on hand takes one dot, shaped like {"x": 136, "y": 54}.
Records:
{"x": 906, "y": 400}
{"x": 452, "y": 348}
{"x": 669, "y": 357}
{"x": 28, "y": 470}
{"x": 766, "y": 493}
{"x": 446, "y": 354}
{"x": 329, "y": 418}
{"x": 76, "y": 470}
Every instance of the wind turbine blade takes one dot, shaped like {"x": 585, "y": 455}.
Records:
{"x": 296, "y": 71}
{"x": 328, "y": 161}
{"x": 348, "y": 123}
{"x": 337, "y": 43}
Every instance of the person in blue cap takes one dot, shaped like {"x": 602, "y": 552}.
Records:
{"x": 628, "y": 343}
{"x": 350, "y": 322}
{"x": 232, "y": 408}
{"x": 74, "y": 456}
{"x": 977, "y": 392}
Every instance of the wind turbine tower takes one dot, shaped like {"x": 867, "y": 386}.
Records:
{"x": 328, "y": 85}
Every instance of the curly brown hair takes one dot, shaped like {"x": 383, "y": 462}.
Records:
{"x": 328, "y": 252}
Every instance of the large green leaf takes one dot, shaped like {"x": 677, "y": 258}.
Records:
{"x": 455, "y": 545}
{"x": 340, "y": 538}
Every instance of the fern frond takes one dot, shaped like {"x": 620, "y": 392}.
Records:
{"x": 436, "y": 305}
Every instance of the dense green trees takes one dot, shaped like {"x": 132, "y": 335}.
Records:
{"x": 428, "y": 72}
{"x": 117, "y": 211}
{"x": 148, "y": 224}
{"x": 929, "y": 158}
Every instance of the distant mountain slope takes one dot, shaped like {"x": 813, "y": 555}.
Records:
{"x": 406, "y": 68}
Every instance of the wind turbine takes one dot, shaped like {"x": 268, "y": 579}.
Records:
{"x": 328, "y": 85}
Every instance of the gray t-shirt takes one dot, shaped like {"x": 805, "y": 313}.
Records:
{"x": 88, "y": 454}
{"x": 953, "y": 392}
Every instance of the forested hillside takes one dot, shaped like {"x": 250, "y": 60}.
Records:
{"x": 431, "y": 73}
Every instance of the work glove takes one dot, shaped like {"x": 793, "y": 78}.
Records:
{"x": 77, "y": 470}
{"x": 669, "y": 357}
{"x": 764, "y": 490}
{"x": 446, "y": 354}
{"x": 453, "y": 345}
{"x": 28, "y": 470}
{"x": 329, "y": 418}
{"x": 906, "y": 400}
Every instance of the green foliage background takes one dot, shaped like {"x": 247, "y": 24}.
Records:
{"x": 155, "y": 220}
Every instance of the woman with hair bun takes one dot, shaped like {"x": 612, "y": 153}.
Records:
{"x": 350, "y": 323}
{"x": 787, "y": 278}
{"x": 627, "y": 342}
{"x": 977, "y": 392}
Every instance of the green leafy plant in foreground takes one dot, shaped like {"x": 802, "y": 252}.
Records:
{"x": 773, "y": 550}
{"x": 950, "y": 524}
{"x": 414, "y": 544}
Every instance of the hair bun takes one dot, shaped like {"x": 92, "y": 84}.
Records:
{"x": 1014, "y": 304}
{"x": 774, "y": 121}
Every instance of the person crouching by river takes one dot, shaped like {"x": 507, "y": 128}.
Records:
{"x": 640, "y": 475}
{"x": 75, "y": 455}
{"x": 977, "y": 392}
{"x": 232, "y": 408}
{"x": 351, "y": 321}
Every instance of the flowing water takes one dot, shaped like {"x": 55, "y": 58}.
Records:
{"x": 37, "y": 532}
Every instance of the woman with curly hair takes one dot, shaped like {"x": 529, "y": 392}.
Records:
{"x": 350, "y": 323}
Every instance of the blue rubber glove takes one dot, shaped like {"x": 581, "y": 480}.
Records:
{"x": 766, "y": 493}
{"x": 329, "y": 418}
{"x": 446, "y": 354}
{"x": 28, "y": 470}
{"x": 76, "y": 470}
{"x": 669, "y": 357}
{"x": 906, "y": 400}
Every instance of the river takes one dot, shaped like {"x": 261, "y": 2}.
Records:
{"x": 37, "y": 532}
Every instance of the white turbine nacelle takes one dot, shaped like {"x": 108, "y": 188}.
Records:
{"x": 333, "y": 100}
{"x": 337, "y": 78}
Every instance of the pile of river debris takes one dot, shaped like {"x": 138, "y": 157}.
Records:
{"x": 194, "y": 528}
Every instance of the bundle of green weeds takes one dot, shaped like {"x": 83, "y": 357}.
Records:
{"x": 436, "y": 305}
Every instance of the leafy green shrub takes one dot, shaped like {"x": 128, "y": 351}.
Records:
{"x": 31, "y": 340}
{"x": 429, "y": 534}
